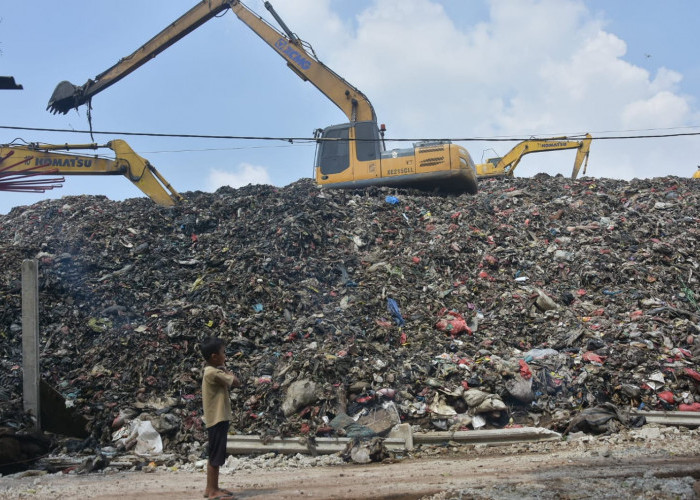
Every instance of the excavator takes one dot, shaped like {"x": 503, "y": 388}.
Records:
{"x": 25, "y": 167}
{"x": 349, "y": 155}
{"x": 505, "y": 166}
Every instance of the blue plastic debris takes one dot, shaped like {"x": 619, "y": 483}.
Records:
{"x": 395, "y": 313}
{"x": 392, "y": 200}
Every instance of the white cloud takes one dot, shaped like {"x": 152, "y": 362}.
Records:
{"x": 664, "y": 109}
{"x": 244, "y": 175}
{"x": 533, "y": 67}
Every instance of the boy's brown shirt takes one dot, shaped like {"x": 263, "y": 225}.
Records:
{"x": 215, "y": 397}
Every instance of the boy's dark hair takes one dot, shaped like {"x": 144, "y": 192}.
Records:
{"x": 209, "y": 346}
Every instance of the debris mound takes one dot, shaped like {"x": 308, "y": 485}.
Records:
{"x": 528, "y": 303}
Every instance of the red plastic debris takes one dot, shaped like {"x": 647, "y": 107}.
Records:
{"x": 593, "y": 357}
{"x": 453, "y": 323}
{"x": 666, "y": 396}
{"x": 690, "y": 407}
{"x": 525, "y": 370}
{"x": 485, "y": 275}
{"x": 692, "y": 374}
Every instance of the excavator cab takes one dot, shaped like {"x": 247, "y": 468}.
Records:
{"x": 339, "y": 145}
{"x": 352, "y": 155}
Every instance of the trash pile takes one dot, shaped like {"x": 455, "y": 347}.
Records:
{"x": 345, "y": 312}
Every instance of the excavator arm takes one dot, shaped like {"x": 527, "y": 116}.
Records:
{"x": 304, "y": 63}
{"x": 67, "y": 96}
{"x": 505, "y": 166}
{"x": 349, "y": 155}
{"x": 301, "y": 61}
{"x": 22, "y": 166}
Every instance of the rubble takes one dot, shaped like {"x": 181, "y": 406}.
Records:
{"x": 531, "y": 303}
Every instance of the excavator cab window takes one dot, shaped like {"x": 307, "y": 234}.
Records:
{"x": 367, "y": 139}
{"x": 334, "y": 149}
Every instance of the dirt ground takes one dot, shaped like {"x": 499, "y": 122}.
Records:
{"x": 666, "y": 467}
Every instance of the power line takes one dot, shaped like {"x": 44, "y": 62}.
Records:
{"x": 154, "y": 134}
{"x": 199, "y": 150}
{"x": 292, "y": 140}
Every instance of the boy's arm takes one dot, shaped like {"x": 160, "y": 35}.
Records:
{"x": 227, "y": 378}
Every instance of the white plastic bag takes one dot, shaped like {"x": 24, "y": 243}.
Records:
{"x": 141, "y": 435}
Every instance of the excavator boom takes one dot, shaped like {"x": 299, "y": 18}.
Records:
{"x": 23, "y": 168}
{"x": 350, "y": 155}
{"x": 350, "y": 100}
{"x": 505, "y": 166}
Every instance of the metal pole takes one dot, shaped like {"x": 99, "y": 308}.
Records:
{"x": 30, "y": 339}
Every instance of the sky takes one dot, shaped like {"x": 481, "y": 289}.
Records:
{"x": 463, "y": 70}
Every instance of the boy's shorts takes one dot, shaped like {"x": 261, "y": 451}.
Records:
{"x": 218, "y": 434}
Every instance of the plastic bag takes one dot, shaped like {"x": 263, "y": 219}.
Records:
{"x": 141, "y": 435}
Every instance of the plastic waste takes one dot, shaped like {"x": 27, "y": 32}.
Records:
{"x": 392, "y": 200}
{"x": 393, "y": 308}
{"x": 139, "y": 435}
{"x": 453, "y": 323}
{"x": 539, "y": 354}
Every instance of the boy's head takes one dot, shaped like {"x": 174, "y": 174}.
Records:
{"x": 213, "y": 351}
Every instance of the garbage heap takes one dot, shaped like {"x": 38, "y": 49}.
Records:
{"x": 532, "y": 302}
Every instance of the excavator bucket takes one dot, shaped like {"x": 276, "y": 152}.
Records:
{"x": 64, "y": 98}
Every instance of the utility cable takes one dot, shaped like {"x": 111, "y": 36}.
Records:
{"x": 312, "y": 139}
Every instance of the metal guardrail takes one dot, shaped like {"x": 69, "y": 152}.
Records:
{"x": 684, "y": 418}
{"x": 401, "y": 439}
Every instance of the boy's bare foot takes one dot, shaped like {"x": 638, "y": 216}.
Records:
{"x": 219, "y": 495}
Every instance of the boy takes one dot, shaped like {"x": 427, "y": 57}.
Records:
{"x": 216, "y": 382}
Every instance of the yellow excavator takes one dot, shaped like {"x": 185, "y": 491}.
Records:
{"x": 505, "y": 166}
{"x": 349, "y": 155}
{"x": 28, "y": 167}
{"x": 696, "y": 175}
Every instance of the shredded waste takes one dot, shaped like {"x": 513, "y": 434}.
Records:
{"x": 540, "y": 302}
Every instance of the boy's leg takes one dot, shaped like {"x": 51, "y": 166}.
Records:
{"x": 212, "y": 480}
{"x": 217, "y": 456}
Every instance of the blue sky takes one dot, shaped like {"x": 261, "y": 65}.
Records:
{"x": 435, "y": 69}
